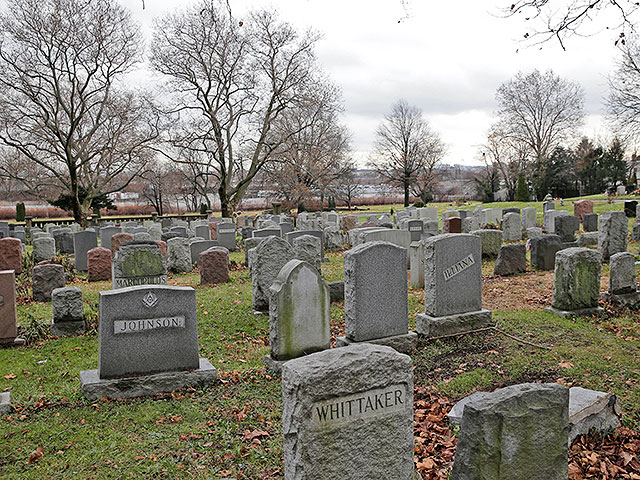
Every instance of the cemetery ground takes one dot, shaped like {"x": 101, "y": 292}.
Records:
{"x": 234, "y": 429}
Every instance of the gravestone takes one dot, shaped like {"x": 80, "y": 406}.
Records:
{"x": 630, "y": 208}
{"x": 45, "y": 278}
{"x": 138, "y": 264}
{"x": 566, "y": 228}
{"x": 529, "y": 217}
{"x": 613, "y": 234}
{"x": 82, "y": 243}
{"x": 582, "y": 208}
{"x": 180, "y": 231}
{"x": 428, "y": 213}
{"x": 512, "y": 259}
{"x": 43, "y": 249}
{"x": 214, "y": 266}
{"x": 416, "y": 227}
{"x": 635, "y": 231}
{"x": 586, "y": 239}
{"x": 166, "y": 236}
{"x": 590, "y": 222}
{"x": 622, "y": 281}
{"x": 64, "y": 240}
{"x": 285, "y": 227}
{"x": 68, "y": 312}
{"x": 517, "y": 432}
{"x": 308, "y": 249}
{"x": 298, "y": 314}
{"x": 511, "y": 227}
{"x": 416, "y": 265}
{"x": 532, "y": 232}
{"x": 576, "y": 282}
{"x": 470, "y": 224}
{"x": 147, "y": 343}
{"x": 179, "y": 255}
{"x": 548, "y": 205}
{"x": 119, "y": 239}
{"x": 227, "y": 236}
{"x": 202, "y": 231}
{"x": 199, "y": 246}
{"x": 376, "y": 303}
{"x": 491, "y": 240}
{"x": 344, "y": 398}
{"x": 333, "y": 239}
{"x": 266, "y": 232}
{"x": 452, "y": 225}
{"x": 349, "y": 222}
{"x": 141, "y": 237}
{"x": 550, "y": 218}
{"x": 250, "y": 243}
{"x": 8, "y": 321}
{"x": 11, "y": 255}
{"x": 99, "y": 264}
{"x": 543, "y": 251}
{"x": 270, "y": 256}
{"x": 453, "y": 286}
{"x": 290, "y": 237}
{"x": 492, "y": 216}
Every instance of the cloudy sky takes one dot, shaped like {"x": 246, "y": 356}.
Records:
{"x": 447, "y": 58}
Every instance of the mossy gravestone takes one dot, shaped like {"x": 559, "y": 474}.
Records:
{"x": 298, "y": 314}
{"x": 518, "y": 432}
{"x": 139, "y": 264}
{"x": 576, "y": 283}
{"x": 347, "y": 414}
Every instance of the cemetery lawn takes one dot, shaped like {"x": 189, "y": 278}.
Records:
{"x": 233, "y": 429}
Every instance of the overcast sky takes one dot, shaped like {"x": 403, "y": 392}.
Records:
{"x": 446, "y": 57}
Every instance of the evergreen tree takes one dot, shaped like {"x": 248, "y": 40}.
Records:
{"x": 522, "y": 191}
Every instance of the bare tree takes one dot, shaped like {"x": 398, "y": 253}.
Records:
{"x": 406, "y": 147}
{"x": 624, "y": 97}
{"x": 230, "y": 80}
{"x": 314, "y": 146}
{"x": 62, "y": 107}
{"x": 508, "y": 155}
{"x": 346, "y": 187}
{"x": 538, "y": 112}
{"x": 560, "y": 20}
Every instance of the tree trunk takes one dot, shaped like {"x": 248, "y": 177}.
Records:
{"x": 75, "y": 201}
{"x": 225, "y": 203}
{"x": 406, "y": 193}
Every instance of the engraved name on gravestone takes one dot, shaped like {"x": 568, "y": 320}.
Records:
{"x": 139, "y": 264}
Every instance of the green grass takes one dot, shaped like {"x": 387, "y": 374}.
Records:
{"x": 208, "y": 433}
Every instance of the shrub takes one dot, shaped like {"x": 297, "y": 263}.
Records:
{"x": 419, "y": 204}
{"x": 522, "y": 191}
{"x": 21, "y": 212}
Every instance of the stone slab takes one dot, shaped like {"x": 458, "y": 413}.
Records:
{"x": 95, "y": 388}
{"x": 452, "y": 324}
{"x": 5, "y": 402}
{"x": 67, "y": 329}
{"x": 401, "y": 343}
{"x": 583, "y": 312}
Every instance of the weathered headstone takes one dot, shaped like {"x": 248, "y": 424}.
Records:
{"x": 11, "y": 255}
{"x": 44, "y": 248}
{"x": 344, "y": 397}
{"x": 582, "y": 208}
{"x": 453, "y": 286}
{"x": 68, "y": 312}
{"x": 622, "y": 281}
{"x": 590, "y": 222}
{"x": 202, "y": 231}
{"x": 630, "y": 208}
{"x": 82, "y": 243}
{"x": 227, "y": 236}
{"x": 308, "y": 249}
{"x": 333, "y": 238}
{"x": 199, "y": 246}
{"x": 566, "y": 227}
{"x": 550, "y": 217}
{"x": 588, "y": 238}
{"x": 512, "y": 259}
{"x": 532, "y": 232}
{"x": 517, "y": 432}
{"x": 529, "y": 217}
{"x": 576, "y": 282}
{"x": 44, "y": 279}
{"x": 266, "y": 232}
{"x": 147, "y": 343}
{"x": 8, "y": 321}
{"x": 548, "y": 205}
{"x": 99, "y": 264}
{"x": 298, "y": 314}
{"x": 491, "y": 240}
{"x": 613, "y": 234}
{"x": 119, "y": 239}
{"x": 179, "y": 255}
{"x": 270, "y": 256}
{"x": 543, "y": 251}
{"x": 511, "y": 227}
{"x": 375, "y": 305}
{"x": 416, "y": 227}
{"x": 64, "y": 240}
{"x": 138, "y": 264}
{"x": 470, "y": 224}
{"x": 214, "y": 266}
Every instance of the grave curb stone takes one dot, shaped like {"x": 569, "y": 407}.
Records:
{"x": 405, "y": 343}
{"x": 429, "y": 326}
{"x": 94, "y": 388}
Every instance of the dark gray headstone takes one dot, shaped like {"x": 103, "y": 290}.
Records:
{"x": 105, "y": 236}
{"x": 543, "y": 251}
{"x": 512, "y": 259}
{"x": 46, "y": 278}
{"x": 82, "y": 243}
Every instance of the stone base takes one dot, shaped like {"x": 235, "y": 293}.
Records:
{"x": 94, "y": 387}
{"x": 401, "y": 343}
{"x": 452, "y": 324}
{"x": 5, "y": 402}
{"x": 582, "y": 312}
{"x": 624, "y": 300}
{"x": 67, "y": 329}
{"x": 272, "y": 365}
{"x": 11, "y": 342}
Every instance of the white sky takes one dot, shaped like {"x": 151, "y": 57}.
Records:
{"x": 447, "y": 58}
